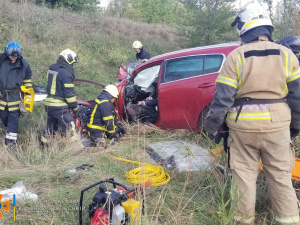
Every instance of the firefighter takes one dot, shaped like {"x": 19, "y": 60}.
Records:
{"x": 252, "y": 90}
{"x": 293, "y": 43}
{"x": 14, "y": 72}
{"x": 61, "y": 96}
{"x": 141, "y": 54}
{"x": 102, "y": 125}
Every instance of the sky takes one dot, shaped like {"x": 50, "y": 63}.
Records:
{"x": 104, "y": 3}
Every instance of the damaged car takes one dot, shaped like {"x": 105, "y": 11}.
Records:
{"x": 183, "y": 82}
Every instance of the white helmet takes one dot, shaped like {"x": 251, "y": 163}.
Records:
{"x": 137, "y": 44}
{"x": 254, "y": 16}
{"x": 70, "y": 56}
{"x": 112, "y": 90}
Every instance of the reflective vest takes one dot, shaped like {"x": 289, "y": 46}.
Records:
{"x": 102, "y": 114}
{"x": 60, "y": 87}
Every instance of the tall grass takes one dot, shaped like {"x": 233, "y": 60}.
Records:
{"x": 102, "y": 44}
{"x": 190, "y": 198}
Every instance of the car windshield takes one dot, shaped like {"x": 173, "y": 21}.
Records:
{"x": 131, "y": 66}
{"x": 146, "y": 77}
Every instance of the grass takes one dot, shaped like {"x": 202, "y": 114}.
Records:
{"x": 190, "y": 197}
{"x": 102, "y": 44}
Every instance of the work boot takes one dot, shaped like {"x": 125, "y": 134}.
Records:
{"x": 11, "y": 145}
{"x": 101, "y": 142}
{"x": 43, "y": 142}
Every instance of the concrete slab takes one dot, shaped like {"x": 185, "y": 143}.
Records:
{"x": 180, "y": 155}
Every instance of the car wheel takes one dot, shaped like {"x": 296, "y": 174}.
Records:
{"x": 202, "y": 118}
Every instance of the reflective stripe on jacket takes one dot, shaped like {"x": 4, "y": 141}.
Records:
{"x": 260, "y": 70}
{"x": 102, "y": 114}
{"x": 60, "y": 87}
{"x": 12, "y": 77}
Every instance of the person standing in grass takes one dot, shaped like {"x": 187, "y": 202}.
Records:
{"x": 141, "y": 54}
{"x": 252, "y": 91}
{"x": 14, "y": 72}
{"x": 61, "y": 96}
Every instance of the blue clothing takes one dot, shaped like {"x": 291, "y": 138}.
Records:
{"x": 143, "y": 56}
{"x": 152, "y": 103}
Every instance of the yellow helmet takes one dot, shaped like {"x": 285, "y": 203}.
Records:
{"x": 112, "y": 90}
{"x": 137, "y": 44}
{"x": 70, "y": 56}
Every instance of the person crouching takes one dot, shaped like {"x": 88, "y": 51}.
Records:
{"x": 102, "y": 125}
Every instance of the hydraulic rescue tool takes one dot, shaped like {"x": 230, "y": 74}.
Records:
{"x": 28, "y": 98}
{"x": 112, "y": 206}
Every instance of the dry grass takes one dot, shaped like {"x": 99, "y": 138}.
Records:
{"x": 102, "y": 43}
{"x": 189, "y": 198}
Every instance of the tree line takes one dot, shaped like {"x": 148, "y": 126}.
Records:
{"x": 199, "y": 22}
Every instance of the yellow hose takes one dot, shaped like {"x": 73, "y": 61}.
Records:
{"x": 146, "y": 172}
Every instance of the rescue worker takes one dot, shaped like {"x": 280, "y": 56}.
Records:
{"x": 145, "y": 111}
{"x": 102, "y": 123}
{"x": 141, "y": 54}
{"x": 14, "y": 72}
{"x": 252, "y": 88}
{"x": 61, "y": 96}
{"x": 293, "y": 43}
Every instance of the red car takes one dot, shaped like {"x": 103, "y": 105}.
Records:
{"x": 184, "y": 81}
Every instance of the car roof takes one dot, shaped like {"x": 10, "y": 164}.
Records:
{"x": 190, "y": 50}
{"x": 186, "y": 52}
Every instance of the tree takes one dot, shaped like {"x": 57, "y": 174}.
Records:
{"x": 209, "y": 22}
{"x": 77, "y": 5}
{"x": 150, "y": 11}
{"x": 287, "y": 21}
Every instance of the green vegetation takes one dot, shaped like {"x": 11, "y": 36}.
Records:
{"x": 150, "y": 11}
{"x": 103, "y": 43}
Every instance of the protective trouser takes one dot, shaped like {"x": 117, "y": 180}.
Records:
{"x": 278, "y": 156}
{"x": 58, "y": 117}
{"x": 10, "y": 121}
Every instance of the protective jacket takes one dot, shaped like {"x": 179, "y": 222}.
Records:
{"x": 244, "y": 75}
{"x": 60, "y": 87}
{"x": 12, "y": 77}
{"x": 143, "y": 55}
{"x": 102, "y": 116}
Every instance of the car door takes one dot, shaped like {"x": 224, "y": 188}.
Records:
{"x": 186, "y": 86}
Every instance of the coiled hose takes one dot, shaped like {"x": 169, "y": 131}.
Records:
{"x": 146, "y": 172}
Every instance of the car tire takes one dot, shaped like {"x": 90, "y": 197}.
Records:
{"x": 202, "y": 118}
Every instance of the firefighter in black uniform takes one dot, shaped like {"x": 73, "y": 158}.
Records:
{"x": 141, "y": 54}
{"x": 103, "y": 122}
{"x": 14, "y": 72}
{"x": 61, "y": 96}
{"x": 293, "y": 43}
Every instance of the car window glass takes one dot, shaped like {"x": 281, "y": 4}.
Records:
{"x": 146, "y": 77}
{"x": 131, "y": 66}
{"x": 212, "y": 63}
{"x": 181, "y": 68}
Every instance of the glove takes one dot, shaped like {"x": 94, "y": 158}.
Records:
{"x": 294, "y": 132}
{"x": 211, "y": 136}
{"x": 75, "y": 111}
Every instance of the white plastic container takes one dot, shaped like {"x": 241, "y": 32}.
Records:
{"x": 118, "y": 216}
